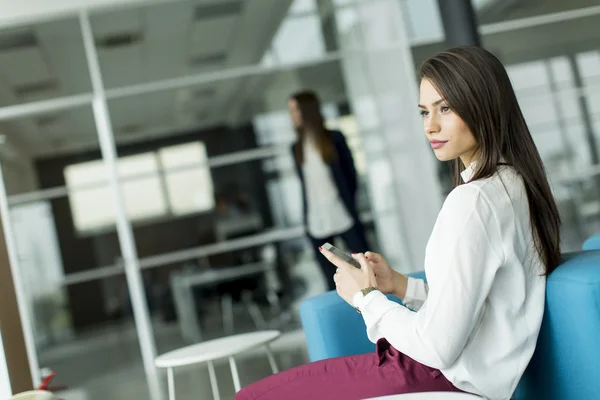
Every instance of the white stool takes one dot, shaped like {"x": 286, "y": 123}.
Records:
{"x": 211, "y": 350}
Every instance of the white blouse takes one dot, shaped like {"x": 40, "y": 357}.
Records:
{"x": 327, "y": 215}
{"x": 478, "y": 319}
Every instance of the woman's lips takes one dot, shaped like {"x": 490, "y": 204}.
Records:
{"x": 436, "y": 144}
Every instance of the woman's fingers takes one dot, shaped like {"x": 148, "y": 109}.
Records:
{"x": 335, "y": 260}
{"x": 373, "y": 257}
{"x": 362, "y": 260}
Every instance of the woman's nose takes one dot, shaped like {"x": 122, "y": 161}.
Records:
{"x": 431, "y": 124}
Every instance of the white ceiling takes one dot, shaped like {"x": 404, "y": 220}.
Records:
{"x": 138, "y": 45}
{"x": 180, "y": 38}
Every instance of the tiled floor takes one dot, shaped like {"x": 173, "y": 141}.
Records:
{"x": 107, "y": 364}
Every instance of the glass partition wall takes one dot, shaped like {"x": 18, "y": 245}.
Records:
{"x": 146, "y": 161}
{"x": 147, "y": 147}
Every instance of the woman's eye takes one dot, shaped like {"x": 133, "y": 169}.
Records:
{"x": 423, "y": 113}
{"x": 445, "y": 109}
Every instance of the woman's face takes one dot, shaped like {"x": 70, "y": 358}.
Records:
{"x": 295, "y": 113}
{"x": 447, "y": 133}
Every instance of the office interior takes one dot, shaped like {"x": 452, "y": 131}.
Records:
{"x": 147, "y": 143}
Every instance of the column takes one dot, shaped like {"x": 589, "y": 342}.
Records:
{"x": 460, "y": 23}
{"x": 382, "y": 89}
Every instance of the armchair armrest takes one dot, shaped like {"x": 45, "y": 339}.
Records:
{"x": 333, "y": 328}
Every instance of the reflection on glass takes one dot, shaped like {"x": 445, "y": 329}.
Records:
{"x": 41, "y": 269}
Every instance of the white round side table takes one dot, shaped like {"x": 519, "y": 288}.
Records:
{"x": 226, "y": 347}
{"x": 430, "y": 396}
{"x": 34, "y": 395}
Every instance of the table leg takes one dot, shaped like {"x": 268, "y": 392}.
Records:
{"x": 227, "y": 310}
{"x": 171, "y": 382}
{"x": 271, "y": 357}
{"x": 213, "y": 381}
{"x": 186, "y": 310}
{"x": 254, "y": 310}
{"x": 234, "y": 374}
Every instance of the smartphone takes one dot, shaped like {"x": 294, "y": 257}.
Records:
{"x": 344, "y": 256}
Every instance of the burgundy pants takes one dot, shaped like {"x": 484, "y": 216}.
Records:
{"x": 382, "y": 373}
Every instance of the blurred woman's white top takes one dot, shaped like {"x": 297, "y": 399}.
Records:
{"x": 327, "y": 215}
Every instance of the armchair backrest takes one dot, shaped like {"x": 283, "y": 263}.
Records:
{"x": 566, "y": 362}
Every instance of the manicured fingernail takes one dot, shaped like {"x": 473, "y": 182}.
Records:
{"x": 353, "y": 254}
{"x": 320, "y": 248}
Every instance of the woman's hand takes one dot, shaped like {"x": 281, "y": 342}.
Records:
{"x": 350, "y": 280}
{"x": 388, "y": 280}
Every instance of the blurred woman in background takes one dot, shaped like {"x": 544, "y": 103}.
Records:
{"x": 329, "y": 182}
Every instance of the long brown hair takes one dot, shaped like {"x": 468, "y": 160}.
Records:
{"x": 312, "y": 123}
{"x": 477, "y": 88}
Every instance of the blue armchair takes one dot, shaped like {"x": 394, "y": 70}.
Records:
{"x": 566, "y": 364}
{"x": 592, "y": 243}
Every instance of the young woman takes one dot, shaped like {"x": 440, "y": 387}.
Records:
{"x": 474, "y": 327}
{"x": 328, "y": 177}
